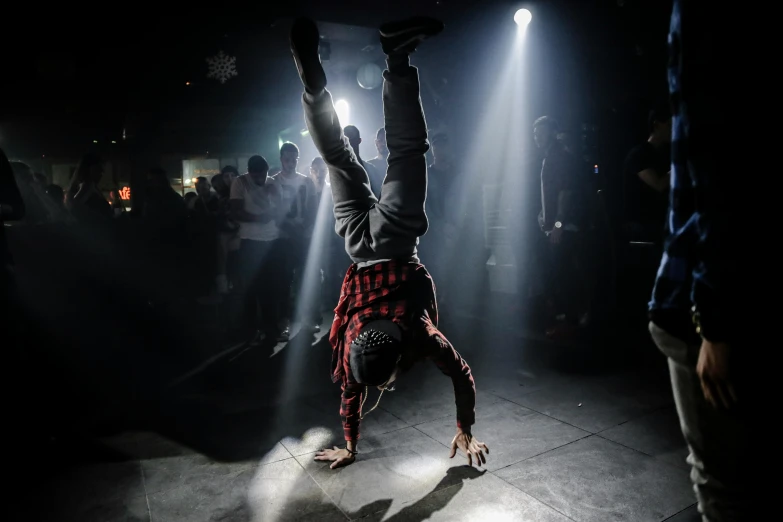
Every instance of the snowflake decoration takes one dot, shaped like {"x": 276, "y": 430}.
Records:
{"x": 222, "y": 67}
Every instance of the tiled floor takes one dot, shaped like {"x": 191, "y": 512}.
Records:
{"x": 597, "y": 446}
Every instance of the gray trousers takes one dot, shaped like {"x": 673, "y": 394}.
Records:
{"x": 388, "y": 228}
{"x": 717, "y": 439}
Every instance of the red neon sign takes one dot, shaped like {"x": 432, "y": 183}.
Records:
{"x": 125, "y": 193}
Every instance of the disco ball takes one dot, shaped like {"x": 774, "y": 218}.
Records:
{"x": 369, "y": 76}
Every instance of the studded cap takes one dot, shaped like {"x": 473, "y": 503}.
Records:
{"x": 374, "y": 355}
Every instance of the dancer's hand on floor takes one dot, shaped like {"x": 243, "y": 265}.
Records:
{"x": 339, "y": 457}
{"x": 470, "y": 447}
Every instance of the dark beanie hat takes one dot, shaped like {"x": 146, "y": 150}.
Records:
{"x": 375, "y": 352}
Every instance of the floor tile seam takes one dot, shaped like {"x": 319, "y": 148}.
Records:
{"x": 680, "y": 511}
{"x": 437, "y": 441}
{"x": 393, "y": 415}
{"x": 291, "y": 452}
{"x": 516, "y": 462}
{"x": 232, "y": 474}
{"x": 430, "y": 437}
{"x": 635, "y": 449}
{"x": 309, "y": 452}
{"x": 533, "y": 497}
{"x": 546, "y": 451}
{"x": 587, "y": 435}
{"x": 502, "y": 399}
{"x": 624, "y": 445}
{"x": 499, "y": 399}
{"x": 286, "y": 450}
{"x": 322, "y": 489}
{"x": 259, "y": 464}
{"x": 657, "y": 459}
{"x": 551, "y": 417}
{"x": 144, "y": 487}
{"x": 247, "y": 464}
{"x": 645, "y": 412}
{"x": 496, "y": 394}
{"x": 449, "y": 415}
{"x": 393, "y": 430}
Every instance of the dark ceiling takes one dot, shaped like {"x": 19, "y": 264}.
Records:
{"x": 90, "y": 69}
{"x": 120, "y": 55}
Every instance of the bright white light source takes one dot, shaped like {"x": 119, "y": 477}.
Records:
{"x": 343, "y": 112}
{"x": 523, "y": 17}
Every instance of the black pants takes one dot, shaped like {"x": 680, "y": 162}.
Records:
{"x": 566, "y": 275}
{"x": 386, "y": 228}
{"x": 263, "y": 277}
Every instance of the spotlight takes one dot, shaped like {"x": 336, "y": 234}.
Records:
{"x": 522, "y": 17}
{"x": 343, "y": 111}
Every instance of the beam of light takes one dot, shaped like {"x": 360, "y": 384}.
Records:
{"x": 279, "y": 485}
{"x": 310, "y": 296}
{"x": 498, "y": 151}
{"x": 343, "y": 111}
{"x": 523, "y": 17}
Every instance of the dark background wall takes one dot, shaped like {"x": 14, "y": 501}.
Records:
{"x": 79, "y": 78}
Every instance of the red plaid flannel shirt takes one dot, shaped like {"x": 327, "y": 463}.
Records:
{"x": 404, "y": 293}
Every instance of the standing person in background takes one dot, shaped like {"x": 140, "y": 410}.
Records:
{"x": 229, "y": 173}
{"x": 646, "y": 180}
{"x": 256, "y": 205}
{"x": 207, "y": 201}
{"x": 379, "y": 161}
{"x": 297, "y": 193}
{"x": 118, "y": 209}
{"x": 83, "y": 197}
{"x": 203, "y": 239}
{"x": 376, "y": 176}
{"x": 227, "y": 233}
{"x": 562, "y": 220}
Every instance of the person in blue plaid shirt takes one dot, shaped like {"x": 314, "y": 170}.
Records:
{"x": 695, "y": 316}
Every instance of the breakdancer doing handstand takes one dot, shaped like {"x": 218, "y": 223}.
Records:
{"x": 386, "y": 319}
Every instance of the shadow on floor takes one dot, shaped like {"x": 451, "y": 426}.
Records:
{"x": 448, "y": 488}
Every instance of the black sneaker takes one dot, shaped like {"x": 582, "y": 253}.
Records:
{"x": 305, "y": 41}
{"x": 312, "y": 327}
{"x": 405, "y": 35}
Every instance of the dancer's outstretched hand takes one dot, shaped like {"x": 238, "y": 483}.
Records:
{"x": 339, "y": 457}
{"x": 470, "y": 447}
